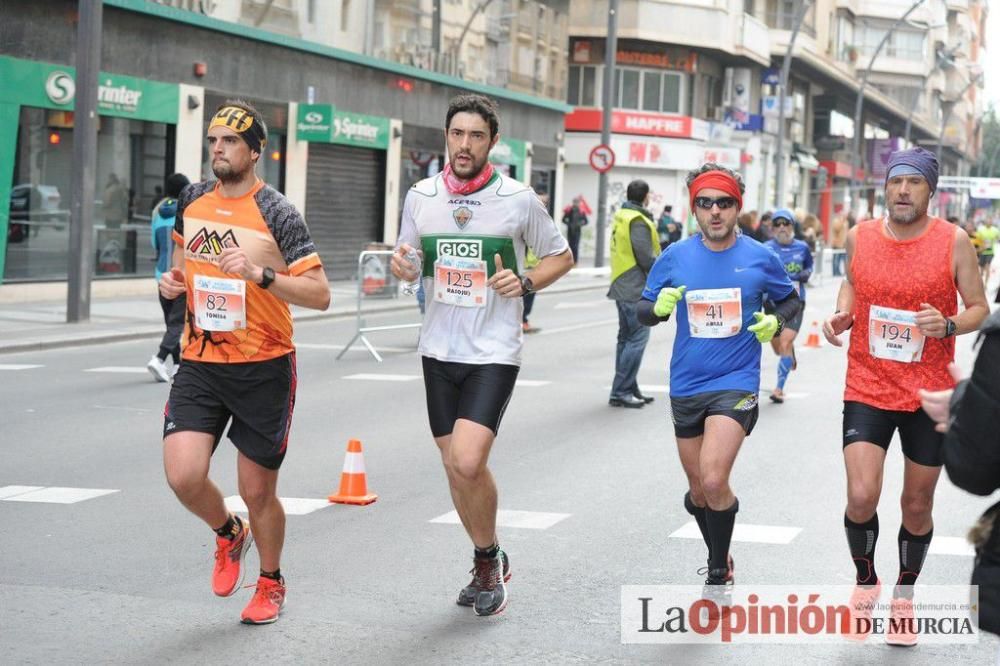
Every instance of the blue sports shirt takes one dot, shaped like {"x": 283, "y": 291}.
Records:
{"x": 704, "y": 364}
{"x": 797, "y": 259}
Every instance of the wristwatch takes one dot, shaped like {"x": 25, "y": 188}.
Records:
{"x": 267, "y": 278}
{"x": 950, "y": 327}
{"x": 527, "y": 286}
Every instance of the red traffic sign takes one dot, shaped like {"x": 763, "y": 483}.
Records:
{"x": 602, "y": 158}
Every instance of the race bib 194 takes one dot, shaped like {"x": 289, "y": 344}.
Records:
{"x": 460, "y": 282}
{"x": 893, "y": 335}
{"x": 219, "y": 303}
{"x": 714, "y": 313}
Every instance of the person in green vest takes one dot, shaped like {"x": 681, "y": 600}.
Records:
{"x": 988, "y": 234}
{"x": 634, "y": 247}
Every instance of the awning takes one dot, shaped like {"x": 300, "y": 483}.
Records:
{"x": 806, "y": 161}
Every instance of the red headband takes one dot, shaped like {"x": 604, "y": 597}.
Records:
{"x": 716, "y": 180}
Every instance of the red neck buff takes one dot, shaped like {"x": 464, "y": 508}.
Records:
{"x": 456, "y": 185}
{"x": 716, "y": 180}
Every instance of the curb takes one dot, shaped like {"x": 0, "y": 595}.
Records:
{"x": 151, "y": 331}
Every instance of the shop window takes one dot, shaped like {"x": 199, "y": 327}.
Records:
{"x": 132, "y": 161}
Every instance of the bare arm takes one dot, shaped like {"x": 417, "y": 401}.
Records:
{"x": 969, "y": 284}
{"x": 172, "y": 282}
{"x": 310, "y": 289}
{"x": 843, "y": 318}
{"x": 550, "y": 269}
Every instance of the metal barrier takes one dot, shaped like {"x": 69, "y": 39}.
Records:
{"x": 374, "y": 281}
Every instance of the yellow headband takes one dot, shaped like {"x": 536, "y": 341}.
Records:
{"x": 241, "y": 122}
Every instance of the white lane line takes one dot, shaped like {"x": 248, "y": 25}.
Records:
{"x": 951, "y": 546}
{"x": 332, "y": 347}
{"x": 137, "y": 410}
{"x": 577, "y": 327}
{"x": 747, "y": 533}
{"x": 532, "y": 382}
{"x": 531, "y": 520}
{"x": 294, "y": 506}
{"x": 56, "y": 495}
{"x": 373, "y": 377}
{"x": 650, "y": 388}
{"x": 138, "y": 370}
{"x": 19, "y": 366}
{"x": 580, "y": 305}
{"x": 11, "y": 491}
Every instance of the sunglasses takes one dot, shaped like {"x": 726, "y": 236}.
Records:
{"x": 782, "y": 222}
{"x": 706, "y": 203}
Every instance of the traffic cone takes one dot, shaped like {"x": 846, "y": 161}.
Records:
{"x": 353, "y": 486}
{"x": 813, "y": 339}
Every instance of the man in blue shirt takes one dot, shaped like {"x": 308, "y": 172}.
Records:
{"x": 798, "y": 262}
{"x": 719, "y": 278}
{"x": 162, "y": 222}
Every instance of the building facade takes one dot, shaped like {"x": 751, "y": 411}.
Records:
{"x": 349, "y": 132}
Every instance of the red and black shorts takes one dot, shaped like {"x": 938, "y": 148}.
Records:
{"x": 257, "y": 397}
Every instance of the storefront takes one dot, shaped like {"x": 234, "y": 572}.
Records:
{"x": 350, "y": 170}
{"x": 135, "y": 145}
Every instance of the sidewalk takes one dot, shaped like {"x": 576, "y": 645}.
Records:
{"x": 37, "y": 325}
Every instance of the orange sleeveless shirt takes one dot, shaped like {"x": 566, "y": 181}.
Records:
{"x": 894, "y": 276}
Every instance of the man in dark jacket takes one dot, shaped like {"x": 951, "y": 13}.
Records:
{"x": 575, "y": 220}
{"x": 634, "y": 247}
{"x": 969, "y": 416}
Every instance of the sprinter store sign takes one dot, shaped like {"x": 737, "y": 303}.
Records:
{"x": 323, "y": 123}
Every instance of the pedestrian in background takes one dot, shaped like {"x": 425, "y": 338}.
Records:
{"x": 666, "y": 227}
{"x": 115, "y": 203}
{"x": 163, "y": 218}
{"x": 575, "y": 220}
{"x": 838, "y": 239}
{"x": 634, "y": 248}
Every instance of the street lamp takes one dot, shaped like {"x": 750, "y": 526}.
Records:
{"x": 973, "y": 80}
{"x": 779, "y": 150}
{"x": 858, "y": 129}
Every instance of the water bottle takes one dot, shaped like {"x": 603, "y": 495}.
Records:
{"x": 410, "y": 288}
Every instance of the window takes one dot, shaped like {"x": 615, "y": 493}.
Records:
{"x": 651, "y": 85}
{"x": 671, "y": 92}
{"x": 345, "y": 16}
{"x": 903, "y": 44}
{"x": 581, "y": 90}
{"x": 629, "y": 88}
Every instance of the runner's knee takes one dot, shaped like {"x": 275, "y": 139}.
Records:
{"x": 862, "y": 499}
{"x": 916, "y": 504}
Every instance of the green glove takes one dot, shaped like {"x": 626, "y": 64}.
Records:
{"x": 667, "y": 300}
{"x": 765, "y": 328}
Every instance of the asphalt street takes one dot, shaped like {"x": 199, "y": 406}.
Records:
{"x": 123, "y": 576}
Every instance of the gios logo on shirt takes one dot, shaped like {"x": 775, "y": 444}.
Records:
{"x": 208, "y": 245}
{"x": 457, "y": 247}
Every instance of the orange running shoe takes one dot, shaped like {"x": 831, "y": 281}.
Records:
{"x": 267, "y": 602}
{"x": 902, "y": 629}
{"x": 229, "y": 554}
{"x": 863, "y": 599}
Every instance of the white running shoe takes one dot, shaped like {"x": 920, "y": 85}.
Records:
{"x": 158, "y": 369}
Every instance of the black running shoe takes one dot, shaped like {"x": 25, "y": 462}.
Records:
{"x": 467, "y": 596}
{"x": 492, "y": 596}
{"x": 719, "y": 589}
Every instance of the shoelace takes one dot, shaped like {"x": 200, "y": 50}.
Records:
{"x": 270, "y": 591}
{"x": 485, "y": 574}
{"x": 232, "y": 549}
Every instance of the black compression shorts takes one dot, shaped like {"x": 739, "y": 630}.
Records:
{"x": 689, "y": 412}
{"x": 479, "y": 393}
{"x": 259, "y": 397}
{"x": 921, "y": 442}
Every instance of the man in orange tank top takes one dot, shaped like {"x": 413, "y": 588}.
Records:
{"x": 899, "y": 300}
{"x": 243, "y": 254}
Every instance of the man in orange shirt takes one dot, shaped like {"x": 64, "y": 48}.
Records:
{"x": 899, "y": 300}
{"x": 243, "y": 254}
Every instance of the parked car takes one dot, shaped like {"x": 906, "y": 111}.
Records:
{"x": 31, "y": 204}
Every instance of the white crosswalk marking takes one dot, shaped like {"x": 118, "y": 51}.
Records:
{"x": 744, "y": 532}
{"x": 373, "y": 377}
{"x": 120, "y": 369}
{"x": 951, "y": 546}
{"x": 19, "y": 366}
{"x": 531, "y": 520}
{"x": 55, "y": 495}
{"x": 294, "y": 506}
{"x": 532, "y": 382}
{"x": 10, "y": 491}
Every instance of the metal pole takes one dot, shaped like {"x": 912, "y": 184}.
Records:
{"x": 858, "y": 128}
{"x": 436, "y": 33}
{"x": 779, "y": 151}
{"x": 610, "y": 50}
{"x": 82, "y": 182}
{"x": 456, "y": 50}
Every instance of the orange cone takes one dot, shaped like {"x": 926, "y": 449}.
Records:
{"x": 353, "y": 486}
{"x": 813, "y": 339}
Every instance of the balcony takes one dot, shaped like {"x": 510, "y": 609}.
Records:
{"x": 779, "y": 20}
{"x": 755, "y": 38}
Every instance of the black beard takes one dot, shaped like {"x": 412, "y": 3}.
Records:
{"x": 227, "y": 176}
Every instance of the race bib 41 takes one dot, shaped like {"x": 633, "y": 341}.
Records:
{"x": 714, "y": 313}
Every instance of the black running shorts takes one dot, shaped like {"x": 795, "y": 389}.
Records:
{"x": 258, "y": 397}
{"x": 795, "y": 323}
{"x": 689, "y": 412}
{"x": 921, "y": 442}
{"x": 479, "y": 393}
